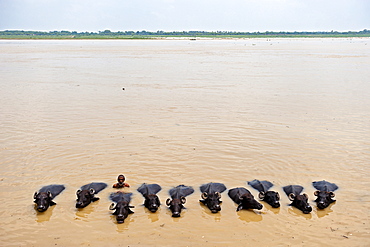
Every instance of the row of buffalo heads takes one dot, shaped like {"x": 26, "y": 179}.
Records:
{"x": 211, "y": 195}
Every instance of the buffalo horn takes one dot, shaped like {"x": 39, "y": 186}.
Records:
{"x": 183, "y": 200}
{"x": 204, "y": 195}
{"x": 261, "y": 195}
{"x": 168, "y": 201}
{"x": 291, "y": 196}
{"x": 35, "y": 195}
{"x": 112, "y": 206}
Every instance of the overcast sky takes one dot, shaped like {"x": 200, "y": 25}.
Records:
{"x": 185, "y": 15}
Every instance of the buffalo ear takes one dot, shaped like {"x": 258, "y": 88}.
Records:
{"x": 78, "y": 192}
{"x": 168, "y": 201}
{"x": 291, "y": 196}
{"x": 35, "y": 195}
{"x": 183, "y": 200}
{"x": 92, "y": 191}
{"x": 261, "y": 195}
{"x": 331, "y": 193}
{"x": 218, "y": 194}
{"x": 316, "y": 193}
{"x": 204, "y": 195}
{"x": 112, "y": 206}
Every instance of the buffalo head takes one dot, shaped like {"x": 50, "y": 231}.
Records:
{"x": 176, "y": 205}
{"x": 300, "y": 202}
{"x": 324, "y": 198}
{"x": 212, "y": 201}
{"x": 271, "y": 197}
{"x": 43, "y": 200}
{"x": 85, "y": 197}
{"x": 123, "y": 209}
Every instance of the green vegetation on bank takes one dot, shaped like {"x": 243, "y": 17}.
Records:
{"x": 107, "y": 34}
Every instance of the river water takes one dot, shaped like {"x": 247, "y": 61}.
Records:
{"x": 291, "y": 111}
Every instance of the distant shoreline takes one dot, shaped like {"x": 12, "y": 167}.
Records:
{"x": 191, "y": 35}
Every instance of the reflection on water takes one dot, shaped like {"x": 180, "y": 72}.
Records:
{"x": 324, "y": 212}
{"x": 206, "y": 213}
{"x": 249, "y": 215}
{"x": 44, "y": 216}
{"x": 153, "y": 217}
{"x": 296, "y": 212}
{"x": 123, "y": 226}
{"x": 268, "y": 207}
{"x": 84, "y": 212}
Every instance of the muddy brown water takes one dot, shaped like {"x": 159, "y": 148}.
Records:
{"x": 290, "y": 111}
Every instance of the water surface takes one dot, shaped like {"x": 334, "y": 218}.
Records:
{"x": 290, "y": 111}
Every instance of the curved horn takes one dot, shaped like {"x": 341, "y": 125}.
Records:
{"x": 204, "y": 195}
{"x": 305, "y": 195}
{"x": 183, "y": 200}
{"x": 277, "y": 195}
{"x": 331, "y": 193}
{"x": 112, "y": 206}
{"x": 316, "y": 193}
{"x": 168, "y": 201}
{"x": 78, "y": 192}
{"x": 35, "y": 195}
{"x": 261, "y": 195}
{"x": 92, "y": 191}
{"x": 291, "y": 196}
{"x": 49, "y": 194}
{"x": 218, "y": 194}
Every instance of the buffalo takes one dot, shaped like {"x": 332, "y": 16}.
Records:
{"x": 121, "y": 203}
{"x": 299, "y": 201}
{"x": 177, "y": 200}
{"x": 149, "y": 192}
{"x": 211, "y": 194}
{"x": 271, "y": 197}
{"x": 86, "y": 194}
{"x": 324, "y": 193}
{"x": 44, "y": 197}
{"x": 244, "y": 199}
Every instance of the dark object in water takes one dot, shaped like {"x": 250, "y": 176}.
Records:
{"x": 177, "y": 200}
{"x": 324, "y": 193}
{"x": 211, "y": 194}
{"x": 44, "y": 197}
{"x": 299, "y": 201}
{"x": 86, "y": 194}
{"x": 244, "y": 199}
{"x": 149, "y": 192}
{"x": 271, "y": 197}
{"x": 121, "y": 205}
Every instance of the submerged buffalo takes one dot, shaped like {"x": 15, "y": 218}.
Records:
{"x": 211, "y": 194}
{"x": 86, "y": 194}
{"x": 121, "y": 205}
{"x": 299, "y": 201}
{"x": 244, "y": 199}
{"x": 324, "y": 193}
{"x": 271, "y": 197}
{"x": 44, "y": 197}
{"x": 149, "y": 191}
{"x": 177, "y": 200}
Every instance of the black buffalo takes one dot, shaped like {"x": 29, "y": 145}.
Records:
{"x": 44, "y": 197}
{"x": 299, "y": 201}
{"x": 324, "y": 193}
{"x": 271, "y": 197}
{"x": 244, "y": 199}
{"x": 211, "y": 194}
{"x": 121, "y": 205}
{"x": 177, "y": 200}
{"x": 86, "y": 194}
{"x": 149, "y": 192}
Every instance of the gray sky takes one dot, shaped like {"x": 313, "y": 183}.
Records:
{"x": 179, "y": 15}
